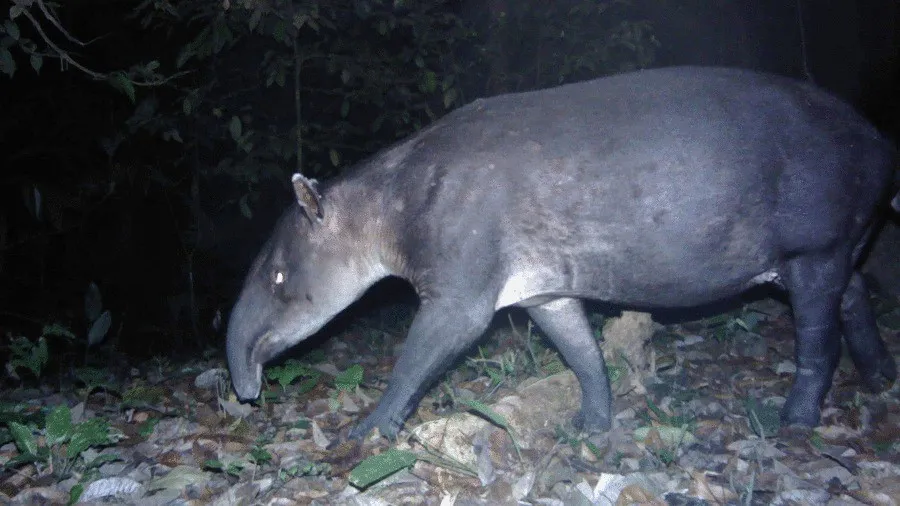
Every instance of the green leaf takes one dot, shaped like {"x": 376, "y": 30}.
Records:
{"x": 75, "y": 493}
{"x": 260, "y": 456}
{"x": 101, "y": 459}
{"x": 32, "y": 356}
{"x": 57, "y": 330}
{"x": 59, "y": 425}
{"x": 184, "y": 56}
{"x": 121, "y": 82}
{"x": 12, "y": 29}
{"x": 37, "y": 61}
{"x": 146, "y": 428}
{"x": 153, "y": 65}
{"x": 428, "y": 83}
{"x": 765, "y": 419}
{"x": 91, "y": 377}
{"x": 254, "y": 19}
{"x": 378, "y": 123}
{"x": 235, "y": 128}
{"x": 307, "y": 385}
{"x": 99, "y": 328}
{"x": 279, "y": 32}
{"x": 94, "y": 432}
{"x": 291, "y": 370}
{"x": 25, "y": 440}
{"x": 670, "y": 436}
{"x": 173, "y": 135}
{"x": 41, "y": 355}
{"x": 350, "y": 378}
{"x": 93, "y": 302}
{"x": 334, "y": 156}
{"x": 345, "y": 108}
{"x": 213, "y": 465}
{"x": 246, "y": 212}
{"x": 485, "y": 411}
{"x": 378, "y": 467}
{"x": 450, "y": 97}
{"x": 7, "y": 64}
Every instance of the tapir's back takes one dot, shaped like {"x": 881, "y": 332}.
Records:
{"x": 647, "y": 172}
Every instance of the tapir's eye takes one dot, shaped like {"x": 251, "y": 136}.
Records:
{"x": 278, "y": 279}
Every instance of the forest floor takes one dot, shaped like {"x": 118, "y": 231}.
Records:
{"x": 698, "y": 425}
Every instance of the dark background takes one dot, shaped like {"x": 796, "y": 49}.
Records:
{"x": 158, "y": 182}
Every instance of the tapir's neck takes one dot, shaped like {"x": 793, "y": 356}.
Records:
{"x": 357, "y": 220}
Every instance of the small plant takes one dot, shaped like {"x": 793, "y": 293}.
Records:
{"x": 664, "y": 441}
{"x": 29, "y": 355}
{"x": 725, "y": 326}
{"x": 146, "y": 428}
{"x": 93, "y": 379}
{"x": 290, "y": 371}
{"x": 665, "y": 434}
{"x": 349, "y": 379}
{"x": 764, "y": 418}
{"x": 58, "y": 448}
{"x": 141, "y": 395}
{"x": 33, "y": 355}
{"x": 344, "y": 383}
{"x": 499, "y": 369}
{"x": 259, "y": 455}
{"x": 232, "y": 468}
{"x": 308, "y": 469}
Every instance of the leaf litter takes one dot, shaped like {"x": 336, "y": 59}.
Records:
{"x": 700, "y": 426}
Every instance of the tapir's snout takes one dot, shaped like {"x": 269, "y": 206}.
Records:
{"x": 246, "y": 377}
{"x": 245, "y": 328}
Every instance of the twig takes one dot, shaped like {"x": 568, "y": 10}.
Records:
{"x": 62, "y": 54}
{"x": 65, "y": 56}
{"x": 50, "y": 17}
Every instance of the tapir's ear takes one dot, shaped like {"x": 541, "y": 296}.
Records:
{"x": 308, "y": 197}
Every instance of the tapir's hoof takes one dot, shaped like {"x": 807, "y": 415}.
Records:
{"x": 593, "y": 423}
{"x": 883, "y": 376}
{"x": 800, "y": 412}
{"x": 794, "y": 434}
{"x": 387, "y": 428}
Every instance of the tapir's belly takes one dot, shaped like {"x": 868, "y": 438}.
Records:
{"x": 530, "y": 286}
{"x": 640, "y": 269}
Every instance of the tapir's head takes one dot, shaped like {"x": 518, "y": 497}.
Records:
{"x": 309, "y": 270}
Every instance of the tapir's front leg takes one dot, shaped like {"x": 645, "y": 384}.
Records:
{"x": 441, "y": 331}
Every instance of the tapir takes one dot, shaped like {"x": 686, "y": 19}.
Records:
{"x": 671, "y": 187}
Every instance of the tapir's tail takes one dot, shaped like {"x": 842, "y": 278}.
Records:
{"x": 895, "y": 202}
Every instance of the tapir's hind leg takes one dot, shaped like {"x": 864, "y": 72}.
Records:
{"x": 875, "y": 365}
{"x": 566, "y": 324}
{"x": 816, "y": 283}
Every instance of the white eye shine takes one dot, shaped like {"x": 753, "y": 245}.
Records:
{"x": 279, "y": 278}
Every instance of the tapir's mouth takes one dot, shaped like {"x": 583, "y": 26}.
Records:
{"x": 248, "y": 387}
{"x": 246, "y": 372}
